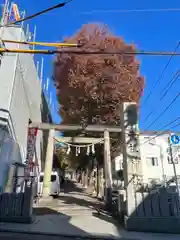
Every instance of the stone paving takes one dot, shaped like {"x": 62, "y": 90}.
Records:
{"x": 76, "y": 213}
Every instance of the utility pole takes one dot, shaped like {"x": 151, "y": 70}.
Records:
{"x": 173, "y": 163}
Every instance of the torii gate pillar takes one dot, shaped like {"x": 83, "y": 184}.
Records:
{"x": 48, "y": 164}
{"x": 107, "y": 170}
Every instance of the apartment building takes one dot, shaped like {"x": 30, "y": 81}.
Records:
{"x": 156, "y": 161}
{"x": 20, "y": 92}
{"x": 20, "y": 101}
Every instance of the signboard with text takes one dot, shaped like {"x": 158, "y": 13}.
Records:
{"x": 31, "y": 141}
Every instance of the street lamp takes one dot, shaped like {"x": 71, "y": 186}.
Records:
{"x": 161, "y": 158}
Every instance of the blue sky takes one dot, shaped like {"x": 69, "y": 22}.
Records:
{"x": 158, "y": 31}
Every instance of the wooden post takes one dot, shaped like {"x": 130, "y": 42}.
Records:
{"x": 101, "y": 184}
{"x": 131, "y": 152}
{"x": 9, "y": 185}
{"x": 86, "y": 178}
{"x": 48, "y": 164}
{"x": 107, "y": 169}
{"x": 97, "y": 179}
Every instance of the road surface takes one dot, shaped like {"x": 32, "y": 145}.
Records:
{"x": 14, "y": 236}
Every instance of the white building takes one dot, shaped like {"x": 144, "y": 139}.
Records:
{"x": 156, "y": 163}
{"x": 20, "y": 99}
{"x": 20, "y": 92}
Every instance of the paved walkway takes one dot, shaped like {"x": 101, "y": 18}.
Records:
{"x": 76, "y": 213}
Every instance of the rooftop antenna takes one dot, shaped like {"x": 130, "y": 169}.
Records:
{"x": 50, "y": 98}
{"x": 47, "y": 84}
{"x": 27, "y": 32}
{"x": 34, "y": 37}
{"x": 5, "y": 12}
{"x": 41, "y": 73}
{"x": 37, "y": 68}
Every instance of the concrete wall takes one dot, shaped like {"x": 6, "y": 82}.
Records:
{"x": 20, "y": 92}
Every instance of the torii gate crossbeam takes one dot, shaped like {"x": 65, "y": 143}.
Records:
{"x": 63, "y": 127}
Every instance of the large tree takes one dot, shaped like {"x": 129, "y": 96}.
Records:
{"x": 92, "y": 87}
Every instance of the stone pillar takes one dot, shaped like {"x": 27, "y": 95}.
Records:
{"x": 83, "y": 178}
{"x": 101, "y": 184}
{"x": 107, "y": 169}
{"x": 131, "y": 152}
{"x": 48, "y": 164}
{"x": 86, "y": 178}
{"x": 10, "y": 182}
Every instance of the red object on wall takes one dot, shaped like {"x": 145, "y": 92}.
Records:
{"x": 31, "y": 141}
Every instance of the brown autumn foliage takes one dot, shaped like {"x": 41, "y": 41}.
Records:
{"x": 92, "y": 87}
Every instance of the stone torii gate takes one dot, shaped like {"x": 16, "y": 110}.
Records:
{"x": 91, "y": 128}
{"x": 130, "y": 150}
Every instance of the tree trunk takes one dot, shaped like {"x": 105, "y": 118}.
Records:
{"x": 101, "y": 183}
{"x": 86, "y": 178}
{"x": 83, "y": 178}
{"x": 97, "y": 180}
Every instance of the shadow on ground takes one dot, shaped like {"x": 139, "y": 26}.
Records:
{"x": 86, "y": 211}
{"x": 70, "y": 186}
{"x": 57, "y": 222}
{"x": 72, "y": 194}
{"x": 62, "y": 222}
{"x": 77, "y": 196}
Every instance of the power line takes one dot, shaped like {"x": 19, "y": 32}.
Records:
{"x": 165, "y": 110}
{"x": 132, "y": 10}
{"x": 150, "y": 53}
{"x": 171, "y": 83}
{"x": 159, "y": 132}
{"x": 47, "y": 44}
{"x": 161, "y": 75}
{"x": 59, "y": 5}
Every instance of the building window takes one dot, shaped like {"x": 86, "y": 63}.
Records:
{"x": 152, "y": 161}
{"x": 175, "y": 159}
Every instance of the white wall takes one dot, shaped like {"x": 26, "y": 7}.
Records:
{"x": 20, "y": 91}
{"x": 159, "y": 150}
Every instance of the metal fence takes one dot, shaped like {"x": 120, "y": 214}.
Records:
{"x": 17, "y": 207}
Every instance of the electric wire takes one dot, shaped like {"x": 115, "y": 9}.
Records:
{"x": 161, "y": 75}
{"x": 148, "y": 53}
{"x": 170, "y": 84}
{"x": 165, "y": 110}
{"x": 157, "y": 134}
{"x": 160, "y": 132}
{"x": 162, "y": 96}
{"x": 132, "y": 10}
{"x": 59, "y": 5}
{"x": 52, "y": 52}
{"x": 46, "y": 44}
